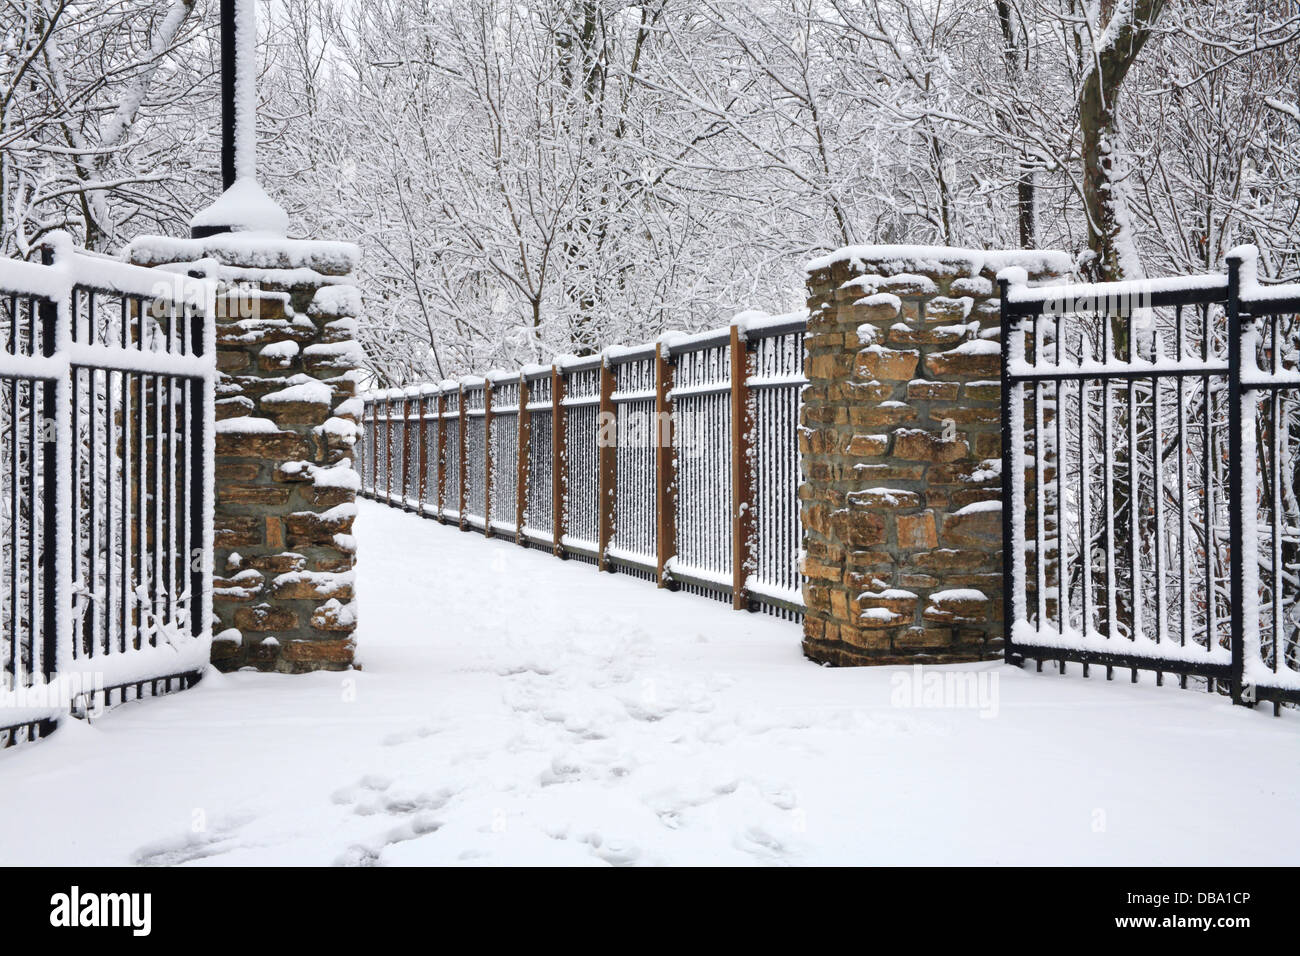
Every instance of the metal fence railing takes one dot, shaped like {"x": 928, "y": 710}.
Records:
{"x": 1149, "y": 484}
{"x": 674, "y": 461}
{"x": 106, "y": 389}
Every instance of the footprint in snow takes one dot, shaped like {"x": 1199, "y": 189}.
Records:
{"x": 615, "y": 852}
{"x": 406, "y": 736}
{"x": 374, "y": 795}
{"x": 514, "y": 670}
{"x": 375, "y": 783}
{"x": 217, "y": 839}
{"x": 370, "y": 853}
{"x": 758, "y": 842}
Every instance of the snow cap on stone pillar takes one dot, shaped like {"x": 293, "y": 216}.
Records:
{"x": 245, "y": 205}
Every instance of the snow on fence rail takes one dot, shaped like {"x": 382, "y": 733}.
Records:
{"x": 675, "y": 461}
{"x": 1150, "y": 430}
{"x": 106, "y": 392}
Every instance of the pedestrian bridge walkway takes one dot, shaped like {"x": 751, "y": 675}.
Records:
{"x": 513, "y": 708}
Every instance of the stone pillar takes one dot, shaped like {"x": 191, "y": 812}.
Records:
{"x": 287, "y": 418}
{"x": 900, "y": 439}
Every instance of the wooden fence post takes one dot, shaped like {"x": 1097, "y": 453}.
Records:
{"x": 460, "y": 458}
{"x": 665, "y": 467}
{"x": 388, "y": 448}
{"x": 406, "y": 450}
{"x": 442, "y": 452}
{"x": 523, "y": 432}
{"x": 607, "y": 467}
{"x": 424, "y": 451}
{"x": 487, "y": 457}
{"x": 559, "y": 478}
{"x": 742, "y": 491}
{"x": 374, "y": 449}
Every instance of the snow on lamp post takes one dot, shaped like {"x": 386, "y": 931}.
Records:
{"x": 244, "y": 206}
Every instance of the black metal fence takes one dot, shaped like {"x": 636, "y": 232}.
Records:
{"x": 106, "y": 381}
{"x": 676, "y": 462}
{"x": 1149, "y": 479}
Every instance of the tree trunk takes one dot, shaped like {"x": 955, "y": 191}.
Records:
{"x": 1016, "y": 70}
{"x": 1109, "y": 236}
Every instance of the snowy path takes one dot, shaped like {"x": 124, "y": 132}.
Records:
{"x": 518, "y": 709}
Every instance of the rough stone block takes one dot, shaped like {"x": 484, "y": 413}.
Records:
{"x": 917, "y": 531}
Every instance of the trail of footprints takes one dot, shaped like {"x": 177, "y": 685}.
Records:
{"x": 573, "y": 711}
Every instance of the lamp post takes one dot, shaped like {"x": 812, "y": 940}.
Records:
{"x": 229, "y": 56}
{"x": 243, "y": 205}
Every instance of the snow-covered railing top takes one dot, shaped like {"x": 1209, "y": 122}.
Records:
{"x": 752, "y": 325}
{"x": 163, "y": 293}
{"x": 71, "y": 268}
{"x": 1069, "y": 297}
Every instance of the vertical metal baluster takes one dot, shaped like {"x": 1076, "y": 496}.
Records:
{"x": 1158, "y": 484}
{"x": 170, "y": 465}
{"x": 1062, "y": 524}
{"x": 1085, "y": 517}
{"x": 127, "y": 569}
{"x": 1185, "y": 626}
{"x": 32, "y": 444}
{"x": 198, "y": 482}
{"x": 15, "y": 523}
{"x": 76, "y": 523}
{"x": 159, "y": 581}
{"x": 143, "y": 568}
{"x": 1040, "y": 492}
{"x": 1243, "y": 548}
{"x": 1211, "y": 624}
{"x": 1108, "y": 478}
{"x": 51, "y": 542}
{"x": 1276, "y": 481}
{"x": 1134, "y": 486}
{"x": 91, "y": 618}
{"x": 107, "y": 611}
{"x": 184, "y": 493}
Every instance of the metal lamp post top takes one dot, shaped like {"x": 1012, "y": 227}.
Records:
{"x": 243, "y": 206}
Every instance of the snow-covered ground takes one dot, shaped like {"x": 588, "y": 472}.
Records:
{"x": 518, "y": 709}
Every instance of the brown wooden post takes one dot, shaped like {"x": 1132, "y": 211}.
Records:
{"x": 388, "y": 448}
{"x": 406, "y": 449}
{"x": 374, "y": 445}
{"x": 742, "y": 488}
{"x": 487, "y": 458}
{"x": 607, "y": 467}
{"x": 424, "y": 451}
{"x": 665, "y": 466}
{"x": 442, "y": 452}
{"x": 559, "y": 455}
{"x": 523, "y": 432}
{"x": 460, "y": 460}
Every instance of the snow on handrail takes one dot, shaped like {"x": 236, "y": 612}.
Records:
{"x": 1084, "y": 296}
{"x": 73, "y": 268}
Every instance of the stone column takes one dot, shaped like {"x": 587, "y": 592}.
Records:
{"x": 900, "y": 438}
{"x": 287, "y": 418}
